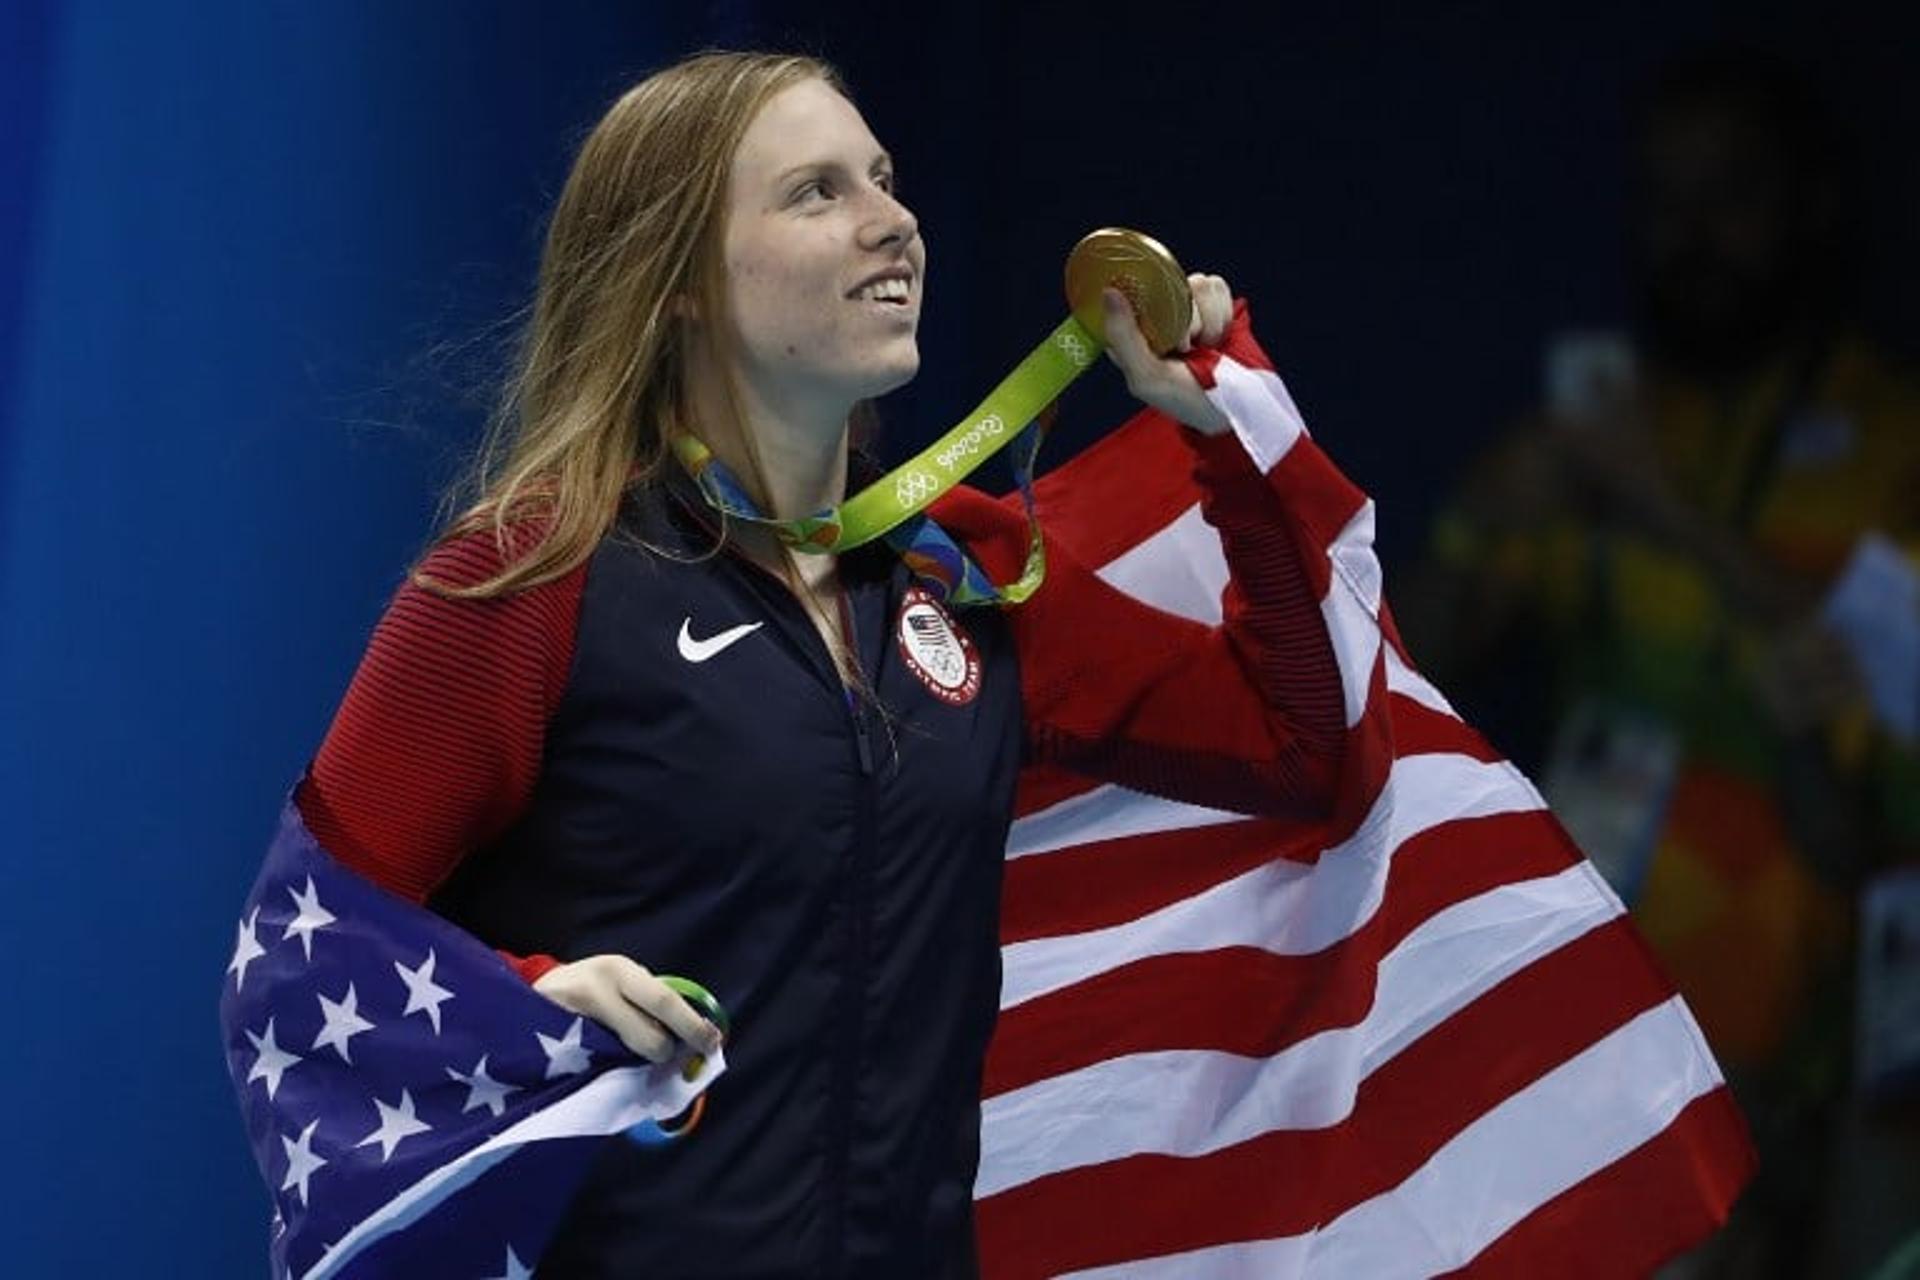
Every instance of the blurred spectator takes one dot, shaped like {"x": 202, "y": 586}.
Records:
{"x": 1634, "y": 584}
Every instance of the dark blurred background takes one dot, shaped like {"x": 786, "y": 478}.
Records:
{"x": 1567, "y": 288}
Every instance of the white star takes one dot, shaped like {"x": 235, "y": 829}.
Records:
{"x": 565, "y": 1057}
{"x": 395, "y": 1123}
{"x": 272, "y": 1062}
{"x": 246, "y": 949}
{"x": 423, "y": 995}
{"x": 312, "y": 917}
{"x": 343, "y": 1023}
{"x": 516, "y": 1269}
{"x": 483, "y": 1089}
{"x": 301, "y": 1162}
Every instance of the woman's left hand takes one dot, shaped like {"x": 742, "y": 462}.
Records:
{"x": 1165, "y": 382}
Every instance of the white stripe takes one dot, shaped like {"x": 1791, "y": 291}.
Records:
{"x": 1285, "y": 907}
{"x": 1613, "y": 1097}
{"x": 1353, "y": 561}
{"x": 1106, "y": 813}
{"x": 1403, "y": 679}
{"x": 1558, "y": 1131}
{"x": 1262, "y": 413}
{"x": 1441, "y": 967}
{"x": 1352, "y": 609}
{"x": 1283, "y": 1259}
{"x": 1355, "y": 639}
{"x": 615, "y": 1101}
{"x": 1180, "y": 569}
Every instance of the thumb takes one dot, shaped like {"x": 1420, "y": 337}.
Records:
{"x": 1125, "y": 343}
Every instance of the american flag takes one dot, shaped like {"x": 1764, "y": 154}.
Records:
{"x": 1420, "y": 1038}
{"x": 415, "y": 1108}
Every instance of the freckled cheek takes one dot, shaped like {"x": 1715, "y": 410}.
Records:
{"x": 807, "y": 338}
{"x": 774, "y": 296}
{"x": 786, "y": 309}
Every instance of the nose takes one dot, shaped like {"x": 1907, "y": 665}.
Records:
{"x": 892, "y": 223}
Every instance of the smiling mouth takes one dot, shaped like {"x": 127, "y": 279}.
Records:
{"x": 893, "y": 290}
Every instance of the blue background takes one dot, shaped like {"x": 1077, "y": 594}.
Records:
{"x": 257, "y": 262}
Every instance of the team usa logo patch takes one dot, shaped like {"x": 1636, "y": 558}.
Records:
{"x": 936, "y": 650}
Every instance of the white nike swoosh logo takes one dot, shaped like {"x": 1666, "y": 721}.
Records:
{"x": 700, "y": 650}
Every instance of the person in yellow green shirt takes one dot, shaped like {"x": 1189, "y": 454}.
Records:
{"x": 1665, "y": 532}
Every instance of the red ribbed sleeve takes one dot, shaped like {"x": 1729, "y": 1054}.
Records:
{"x": 1158, "y": 703}
{"x": 1128, "y": 693}
{"x": 1270, "y": 603}
{"x": 437, "y": 745}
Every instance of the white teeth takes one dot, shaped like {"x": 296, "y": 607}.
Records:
{"x": 892, "y": 289}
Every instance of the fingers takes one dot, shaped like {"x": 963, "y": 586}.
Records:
{"x": 1167, "y": 385}
{"x": 1207, "y": 324}
{"x": 1212, "y": 309}
{"x": 664, "y": 1004}
{"x": 645, "y": 1013}
{"x": 639, "y": 1032}
{"x": 1193, "y": 321}
{"x": 1125, "y": 343}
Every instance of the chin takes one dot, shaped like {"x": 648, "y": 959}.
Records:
{"x": 891, "y": 375}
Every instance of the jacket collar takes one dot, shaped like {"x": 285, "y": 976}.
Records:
{"x": 672, "y": 511}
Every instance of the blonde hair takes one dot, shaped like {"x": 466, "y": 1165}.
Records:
{"x": 599, "y": 381}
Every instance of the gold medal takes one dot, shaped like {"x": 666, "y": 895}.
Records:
{"x": 1140, "y": 267}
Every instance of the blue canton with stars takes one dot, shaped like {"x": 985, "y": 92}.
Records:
{"x": 390, "y": 1069}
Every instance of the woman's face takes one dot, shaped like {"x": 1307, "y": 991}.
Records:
{"x": 824, "y": 267}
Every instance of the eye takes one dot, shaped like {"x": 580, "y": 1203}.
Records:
{"x": 811, "y": 189}
{"x": 884, "y": 180}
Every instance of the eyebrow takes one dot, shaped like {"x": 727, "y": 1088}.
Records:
{"x": 880, "y": 161}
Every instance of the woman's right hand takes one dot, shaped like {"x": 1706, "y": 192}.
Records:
{"x": 627, "y": 1000}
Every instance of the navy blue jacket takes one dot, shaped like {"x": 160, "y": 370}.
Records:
{"x": 829, "y": 867}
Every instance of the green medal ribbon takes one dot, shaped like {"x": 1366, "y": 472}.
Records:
{"x": 894, "y": 506}
{"x": 892, "y": 502}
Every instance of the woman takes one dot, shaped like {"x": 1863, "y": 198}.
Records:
{"x": 604, "y": 727}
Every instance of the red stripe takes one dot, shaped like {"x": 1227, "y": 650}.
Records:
{"x": 1238, "y": 342}
{"x": 1205, "y": 363}
{"x": 1420, "y": 730}
{"x": 1201, "y": 1000}
{"x": 1290, "y": 1181}
{"x": 1041, "y": 786}
{"x": 1650, "y": 1205}
{"x": 1148, "y": 469}
{"x": 1317, "y": 496}
{"x": 1108, "y": 882}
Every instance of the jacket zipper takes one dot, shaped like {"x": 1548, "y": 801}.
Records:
{"x": 858, "y": 907}
{"x": 852, "y": 1013}
{"x": 856, "y": 707}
